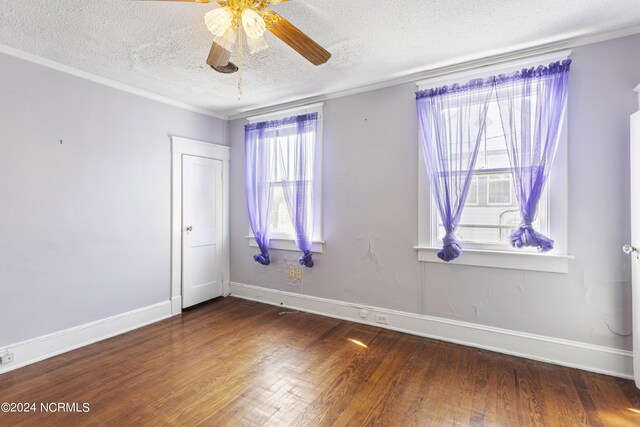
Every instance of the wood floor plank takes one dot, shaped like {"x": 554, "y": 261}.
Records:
{"x": 561, "y": 397}
{"x": 433, "y": 404}
{"x": 343, "y": 377}
{"x": 532, "y": 410}
{"x": 611, "y": 402}
{"x": 483, "y": 409}
{"x": 463, "y": 395}
{"x": 390, "y": 402}
{"x": 506, "y": 392}
{"x": 378, "y": 382}
{"x": 239, "y": 363}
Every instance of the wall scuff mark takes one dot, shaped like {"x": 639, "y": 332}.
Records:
{"x": 621, "y": 334}
{"x": 476, "y": 307}
{"x": 453, "y": 312}
{"x": 370, "y": 257}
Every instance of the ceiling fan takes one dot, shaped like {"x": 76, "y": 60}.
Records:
{"x": 233, "y": 17}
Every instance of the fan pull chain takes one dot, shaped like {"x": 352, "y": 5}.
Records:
{"x": 240, "y": 66}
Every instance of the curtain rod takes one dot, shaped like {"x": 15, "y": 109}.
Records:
{"x": 287, "y": 111}
{"x": 494, "y": 68}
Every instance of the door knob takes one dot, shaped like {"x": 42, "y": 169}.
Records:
{"x": 190, "y": 228}
{"x": 627, "y": 249}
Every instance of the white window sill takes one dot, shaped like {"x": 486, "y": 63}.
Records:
{"x": 501, "y": 259}
{"x": 317, "y": 247}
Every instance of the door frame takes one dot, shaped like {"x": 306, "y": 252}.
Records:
{"x": 634, "y": 147}
{"x": 184, "y": 146}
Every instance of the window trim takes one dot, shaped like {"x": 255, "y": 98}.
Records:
{"x": 503, "y": 256}
{"x": 512, "y": 260}
{"x": 288, "y": 242}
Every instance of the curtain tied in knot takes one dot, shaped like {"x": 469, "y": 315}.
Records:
{"x": 262, "y": 258}
{"x": 525, "y": 224}
{"x": 525, "y": 235}
{"x": 451, "y": 248}
{"x": 306, "y": 259}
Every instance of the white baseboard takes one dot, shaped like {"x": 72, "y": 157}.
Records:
{"x": 40, "y": 348}
{"x": 588, "y": 357}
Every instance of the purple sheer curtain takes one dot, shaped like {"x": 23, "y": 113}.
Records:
{"x": 451, "y": 123}
{"x": 532, "y": 104}
{"x": 257, "y": 152}
{"x": 281, "y": 152}
{"x": 295, "y": 151}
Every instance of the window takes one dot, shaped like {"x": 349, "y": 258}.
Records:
{"x": 491, "y": 209}
{"x": 282, "y": 171}
{"x": 282, "y": 158}
{"x": 280, "y": 225}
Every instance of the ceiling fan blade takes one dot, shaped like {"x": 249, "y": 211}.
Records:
{"x": 299, "y": 41}
{"x": 218, "y": 55}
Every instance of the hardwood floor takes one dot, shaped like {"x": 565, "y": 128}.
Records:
{"x": 233, "y": 362}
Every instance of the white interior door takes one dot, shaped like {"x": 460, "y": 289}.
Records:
{"x": 201, "y": 229}
{"x": 634, "y": 245}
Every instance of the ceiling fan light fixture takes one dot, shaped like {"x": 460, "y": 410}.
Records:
{"x": 253, "y": 24}
{"x": 256, "y": 45}
{"x": 219, "y": 21}
{"x": 230, "y": 68}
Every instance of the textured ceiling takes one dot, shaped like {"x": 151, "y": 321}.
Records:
{"x": 161, "y": 47}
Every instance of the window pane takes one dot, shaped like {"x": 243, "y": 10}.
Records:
{"x": 458, "y": 154}
{"x": 486, "y": 235}
{"x": 284, "y": 155}
{"x": 499, "y": 189}
{"x": 280, "y": 221}
{"x": 492, "y": 153}
{"x": 483, "y": 221}
{"x": 472, "y": 196}
{"x": 491, "y": 210}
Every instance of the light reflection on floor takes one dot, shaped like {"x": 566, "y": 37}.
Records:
{"x": 360, "y": 343}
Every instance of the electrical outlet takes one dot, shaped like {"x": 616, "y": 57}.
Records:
{"x": 299, "y": 274}
{"x": 6, "y": 358}
{"x": 382, "y": 319}
{"x": 292, "y": 272}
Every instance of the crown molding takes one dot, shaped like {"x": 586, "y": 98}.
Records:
{"x": 35, "y": 59}
{"x": 450, "y": 67}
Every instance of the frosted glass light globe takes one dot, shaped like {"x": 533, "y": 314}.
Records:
{"x": 228, "y": 40}
{"x": 253, "y": 24}
{"x": 256, "y": 45}
{"x": 219, "y": 20}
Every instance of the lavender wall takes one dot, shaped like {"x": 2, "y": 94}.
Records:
{"x": 370, "y": 215}
{"x": 85, "y": 225}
